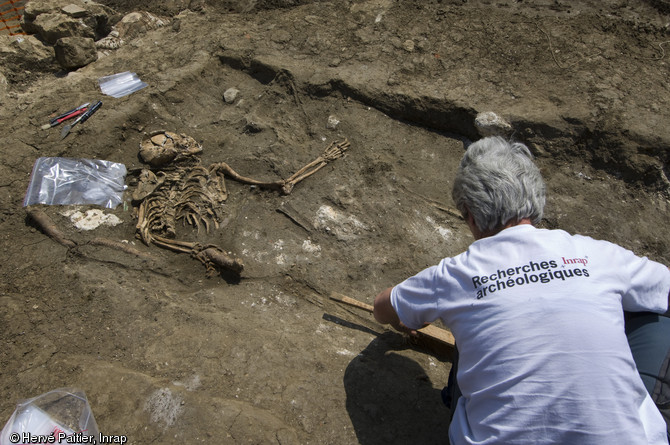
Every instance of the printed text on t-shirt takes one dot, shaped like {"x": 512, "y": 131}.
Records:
{"x": 532, "y": 272}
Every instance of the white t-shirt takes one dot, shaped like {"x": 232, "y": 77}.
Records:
{"x": 537, "y": 317}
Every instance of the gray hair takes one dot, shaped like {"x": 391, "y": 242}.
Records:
{"x": 499, "y": 183}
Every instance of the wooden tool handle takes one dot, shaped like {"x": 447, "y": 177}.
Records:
{"x": 430, "y": 331}
{"x": 351, "y": 302}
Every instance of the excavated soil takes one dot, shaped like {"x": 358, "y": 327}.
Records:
{"x": 168, "y": 355}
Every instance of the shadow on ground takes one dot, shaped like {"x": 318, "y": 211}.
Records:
{"x": 384, "y": 389}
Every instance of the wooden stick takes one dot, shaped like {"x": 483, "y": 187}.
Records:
{"x": 351, "y": 302}
{"x": 433, "y": 332}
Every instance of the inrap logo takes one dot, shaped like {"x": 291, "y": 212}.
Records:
{"x": 582, "y": 261}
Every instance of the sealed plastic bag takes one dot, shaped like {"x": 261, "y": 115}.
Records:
{"x": 62, "y": 413}
{"x": 63, "y": 181}
{"x": 122, "y": 84}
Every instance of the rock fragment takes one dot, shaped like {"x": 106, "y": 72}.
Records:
{"x": 490, "y": 124}
{"x": 333, "y": 122}
{"x": 74, "y": 11}
{"x": 230, "y": 95}
{"x": 53, "y": 19}
{"x": 75, "y": 52}
{"x": 52, "y": 27}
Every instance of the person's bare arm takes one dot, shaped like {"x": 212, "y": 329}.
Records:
{"x": 383, "y": 310}
{"x": 386, "y": 314}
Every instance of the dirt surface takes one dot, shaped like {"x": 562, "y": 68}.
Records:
{"x": 166, "y": 354}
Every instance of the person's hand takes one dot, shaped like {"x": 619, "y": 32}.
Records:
{"x": 400, "y": 327}
{"x": 386, "y": 314}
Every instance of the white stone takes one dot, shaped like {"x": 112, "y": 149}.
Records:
{"x": 92, "y": 219}
{"x": 332, "y": 123}
{"x": 490, "y": 124}
{"x": 230, "y": 95}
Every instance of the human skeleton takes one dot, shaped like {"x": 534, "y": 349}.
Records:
{"x": 195, "y": 194}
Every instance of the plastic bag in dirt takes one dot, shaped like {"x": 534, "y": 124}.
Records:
{"x": 122, "y": 84}
{"x": 62, "y": 413}
{"x": 64, "y": 181}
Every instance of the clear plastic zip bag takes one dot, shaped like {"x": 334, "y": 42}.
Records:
{"x": 64, "y": 181}
{"x": 121, "y": 84}
{"x": 62, "y": 413}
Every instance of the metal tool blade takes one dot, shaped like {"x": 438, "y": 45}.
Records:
{"x": 66, "y": 129}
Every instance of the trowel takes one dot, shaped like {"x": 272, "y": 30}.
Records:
{"x": 82, "y": 118}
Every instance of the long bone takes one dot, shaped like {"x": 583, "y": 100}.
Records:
{"x": 332, "y": 152}
{"x": 213, "y": 257}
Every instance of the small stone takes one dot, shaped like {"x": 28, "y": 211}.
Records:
{"x": 490, "y": 124}
{"x": 332, "y": 123}
{"x": 74, "y": 11}
{"x": 230, "y": 95}
{"x": 408, "y": 45}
